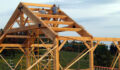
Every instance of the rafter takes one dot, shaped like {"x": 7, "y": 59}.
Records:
{"x": 50, "y": 16}
{"x": 39, "y": 5}
{"x": 58, "y": 22}
{"x": 48, "y": 31}
{"x": 65, "y": 29}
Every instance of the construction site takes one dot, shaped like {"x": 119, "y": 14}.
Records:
{"x": 38, "y": 41}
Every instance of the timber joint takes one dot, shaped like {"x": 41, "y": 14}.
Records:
{"x": 20, "y": 8}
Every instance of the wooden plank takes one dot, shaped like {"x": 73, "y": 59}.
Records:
{"x": 87, "y": 38}
{"x": 65, "y": 29}
{"x": 58, "y": 22}
{"x": 22, "y": 19}
{"x": 21, "y": 45}
{"x": 13, "y": 30}
{"x": 17, "y": 36}
{"x": 50, "y": 16}
{"x": 74, "y": 38}
{"x": 10, "y": 23}
{"x": 41, "y": 45}
{"x": 41, "y": 58}
{"x": 38, "y": 5}
{"x": 48, "y": 31}
{"x": 106, "y": 39}
{"x": 27, "y": 21}
{"x": 20, "y": 36}
{"x": 77, "y": 59}
{"x": 11, "y": 45}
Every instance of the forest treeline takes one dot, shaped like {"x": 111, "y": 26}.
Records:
{"x": 103, "y": 55}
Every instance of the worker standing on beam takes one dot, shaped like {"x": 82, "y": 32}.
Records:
{"x": 43, "y": 11}
{"x": 54, "y": 10}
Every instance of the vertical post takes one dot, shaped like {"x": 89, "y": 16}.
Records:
{"x": 56, "y": 55}
{"x": 119, "y": 57}
{"x": 91, "y": 57}
{"x": 27, "y": 54}
{"x": 21, "y": 19}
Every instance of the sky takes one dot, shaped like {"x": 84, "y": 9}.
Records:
{"x": 101, "y": 18}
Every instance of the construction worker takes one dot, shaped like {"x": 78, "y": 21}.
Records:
{"x": 43, "y": 12}
{"x": 54, "y": 10}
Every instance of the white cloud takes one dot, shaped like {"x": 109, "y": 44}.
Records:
{"x": 94, "y": 11}
{"x": 103, "y": 20}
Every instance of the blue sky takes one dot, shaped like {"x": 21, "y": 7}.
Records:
{"x": 99, "y": 17}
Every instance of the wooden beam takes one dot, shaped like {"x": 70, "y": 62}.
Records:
{"x": 2, "y": 49}
{"x": 50, "y": 16}
{"x": 10, "y": 23}
{"x": 38, "y": 5}
{"x": 115, "y": 61}
{"x": 12, "y": 19}
{"x": 21, "y": 19}
{"x": 86, "y": 44}
{"x": 17, "y": 36}
{"x": 118, "y": 47}
{"x": 77, "y": 59}
{"x": 91, "y": 56}
{"x": 41, "y": 58}
{"x": 56, "y": 29}
{"x": 6, "y": 62}
{"x": 26, "y": 21}
{"x": 119, "y": 58}
{"x": 11, "y": 45}
{"x": 48, "y": 31}
{"x": 21, "y": 45}
{"x": 56, "y": 62}
{"x": 62, "y": 44}
{"x": 74, "y": 38}
{"x": 13, "y": 30}
{"x": 88, "y": 38}
{"x": 106, "y": 39}
{"x": 41, "y": 45}
{"x": 58, "y": 22}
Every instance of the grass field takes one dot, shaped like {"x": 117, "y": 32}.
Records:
{"x": 65, "y": 58}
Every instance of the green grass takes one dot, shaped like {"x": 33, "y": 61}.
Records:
{"x": 65, "y": 58}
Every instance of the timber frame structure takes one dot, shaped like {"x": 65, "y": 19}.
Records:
{"x": 31, "y": 26}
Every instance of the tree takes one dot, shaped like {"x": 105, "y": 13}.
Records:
{"x": 113, "y": 49}
{"x": 102, "y": 56}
